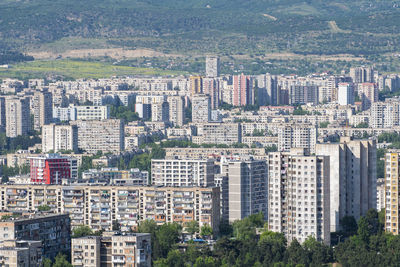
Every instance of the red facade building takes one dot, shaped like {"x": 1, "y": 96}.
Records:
{"x": 52, "y": 169}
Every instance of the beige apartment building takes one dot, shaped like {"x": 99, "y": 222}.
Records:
{"x": 392, "y": 192}
{"x": 100, "y": 206}
{"x": 21, "y": 253}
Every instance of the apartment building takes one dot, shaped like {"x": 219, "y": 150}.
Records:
{"x": 53, "y": 230}
{"x": 368, "y": 92}
{"x": 298, "y": 194}
{"x": 20, "y": 253}
{"x": 57, "y": 138}
{"x": 221, "y": 133}
{"x": 87, "y": 113}
{"x": 352, "y": 178}
{"x": 180, "y": 172}
{"x": 246, "y": 188}
{"x": 115, "y": 177}
{"x": 85, "y": 251}
{"x": 212, "y": 66}
{"x": 345, "y": 94}
{"x": 385, "y": 114}
{"x": 176, "y": 110}
{"x": 100, "y": 206}
{"x": 297, "y": 136}
{"x": 112, "y": 249}
{"x": 205, "y": 153}
{"x": 53, "y": 169}
{"x": 105, "y": 135}
{"x": 61, "y": 114}
{"x": 201, "y": 108}
{"x": 303, "y": 94}
{"x": 18, "y": 121}
{"x": 392, "y": 174}
{"x": 42, "y": 103}
{"x": 243, "y": 91}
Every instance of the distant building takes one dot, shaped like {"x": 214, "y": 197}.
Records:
{"x": 212, "y": 66}
{"x": 222, "y": 133}
{"x": 176, "y": 110}
{"x": 18, "y": 120}
{"x": 87, "y": 113}
{"x": 268, "y": 92}
{"x": 196, "y": 85}
{"x": 201, "y": 108}
{"x": 42, "y": 109}
{"x": 170, "y": 172}
{"x": 303, "y": 94}
{"x": 297, "y": 136}
{"x": 368, "y": 92}
{"x": 105, "y": 135}
{"x": 57, "y": 138}
{"x": 53, "y": 169}
{"x": 345, "y": 94}
{"x": 211, "y": 87}
{"x": 242, "y": 90}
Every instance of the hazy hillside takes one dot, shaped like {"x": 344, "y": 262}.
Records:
{"x": 221, "y": 26}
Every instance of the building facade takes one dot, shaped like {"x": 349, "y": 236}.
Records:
{"x": 298, "y": 194}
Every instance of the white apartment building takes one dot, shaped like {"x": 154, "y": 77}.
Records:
{"x": 345, "y": 94}
{"x": 59, "y": 138}
{"x": 385, "y": 114}
{"x": 18, "y": 121}
{"x": 352, "y": 178}
{"x": 176, "y": 110}
{"x": 105, "y": 135}
{"x": 42, "y": 103}
{"x": 221, "y": 133}
{"x": 175, "y": 172}
{"x": 201, "y": 108}
{"x": 298, "y": 136}
{"x": 87, "y": 113}
{"x": 298, "y": 194}
{"x": 212, "y": 66}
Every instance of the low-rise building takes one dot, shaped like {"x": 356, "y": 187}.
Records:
{"x": 53, "y": 230}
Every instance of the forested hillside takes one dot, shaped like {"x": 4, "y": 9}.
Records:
{"x": 218, "y": 26}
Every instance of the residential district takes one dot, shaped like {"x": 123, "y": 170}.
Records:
{"x": 111, "y": 154}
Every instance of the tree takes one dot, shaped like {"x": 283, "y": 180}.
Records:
{"x": 174, "y": 259}
{"x": 296, "y": 254}
{"x": 205, "y": 262}
{"x": 44, "y": 208}
{"x": 246, "y": 229}
{"x": 166, "y": 236}
{"x": 116, "y": 226}
{"x": 46, "y": 262}
{"x": 81, "y": 231}
{"x": 192, "y": 227}
{"x": 272, "y": 247}
{"x": 206, "y": 231}
{"x": 61, "y": 261}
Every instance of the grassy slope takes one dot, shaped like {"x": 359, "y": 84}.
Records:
{"x": 77, "y": 69}
{"x": 204, "y": 25}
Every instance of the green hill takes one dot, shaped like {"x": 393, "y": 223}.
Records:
{"x": 206, "y": 26}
